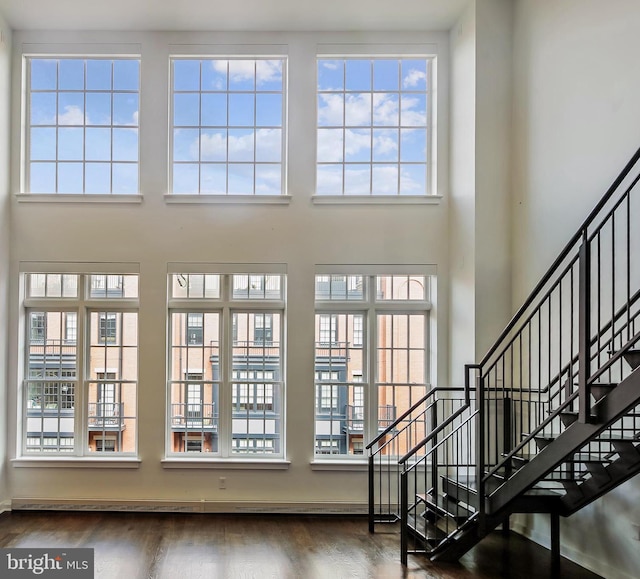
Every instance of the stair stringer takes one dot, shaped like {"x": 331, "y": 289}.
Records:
{"x": 474, "y": 532}
{"x": 612, "y": 407}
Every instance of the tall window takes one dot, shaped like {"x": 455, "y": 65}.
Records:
{"x": 60, "y": 376}
{"x": 370, "y": 357}
{"x": 233, "y": 374}
{"x": 374, "y": 126}
{"x": 228, "y": 126}
{"x": 82, "y": 125}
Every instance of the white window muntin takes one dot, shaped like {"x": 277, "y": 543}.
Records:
{"x": 226, "y": 306}
{"x": 94, "y": 163}
{"x": 370, "y": 308}
{"x": 81, "y": 306}
{"x": 337, "y": 159}
{"x": 208, "y": 163}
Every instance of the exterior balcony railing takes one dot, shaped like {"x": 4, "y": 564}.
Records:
{"x": 106, "y": 416}
{"x": 332, "y": 350}
{"x": 355, "y": 417}
{"x": 196, "y": 416}
{"x": 52, "y": 349}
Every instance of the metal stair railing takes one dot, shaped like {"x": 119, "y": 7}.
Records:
{"x": 567, "y": 337}
{"x": 403, "y": 434}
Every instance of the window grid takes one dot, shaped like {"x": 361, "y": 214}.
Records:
{"x": 69, "y": 152}
{"x": 245, "y": 369}
{"x": 379, "y": 364}
{"x": 63, "y": 373}
{"x": 226, "y": 150}
{"x": 352, "y": 139}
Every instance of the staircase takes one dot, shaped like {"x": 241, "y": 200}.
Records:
{"x": 548, "y": 421}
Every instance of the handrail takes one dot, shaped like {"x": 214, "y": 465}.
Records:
{"x": 447, "y": 437}
{"x": 532, "y": 435}
{"x": 434, "y": 432}
{"x": 467, "y": 401}
{"x": 398, "y": 420}
{"x": 563, "y": 255}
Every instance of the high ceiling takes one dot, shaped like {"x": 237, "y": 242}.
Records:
{"x": 232, "y": 15}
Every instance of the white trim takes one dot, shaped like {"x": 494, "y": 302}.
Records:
{"x": 203, "y": 198}
{"x": 225, "y": 464}
{"x": 80, "y": 462}
{"x": 378, "y": 49}
{"x": 89, "y": 50}
{"x": 77, "y": 198}
{"x": 228, "y": 50}
{"x": 376, "y": 269}
{"x": 226, "y": 268}
{"x": 80, "y": 267}
{"x": 376, "y": 199}
{"x": 339, "y": 465}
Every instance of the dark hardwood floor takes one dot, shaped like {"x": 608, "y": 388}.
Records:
{"x": 182, "y": 546}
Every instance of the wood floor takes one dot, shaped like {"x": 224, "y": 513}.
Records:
{"x": 183, "y": 546}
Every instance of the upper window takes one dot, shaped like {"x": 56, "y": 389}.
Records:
{"x": 228, "y": 126}
{"x": 82, "y": 125}
{"x": 374, "y": 126}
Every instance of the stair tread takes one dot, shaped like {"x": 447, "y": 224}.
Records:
{"x": 469, "y": 483}
{"x": 445, "y": 507}
{"x": 577, "y": 457}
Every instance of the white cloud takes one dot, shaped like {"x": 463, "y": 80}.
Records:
{"x": 245, "y": 70}
{"x": 413, "y": 117}
{"x": 330, "y": 65}
{"x": 72, "y": 116}
{"x": 357, "y": 181}
{"x": 385, "y": 180}
{"x": 385, "y": 109}
{"x": 356, "y": 141}
{"x": 330, "y": 110}
{"x": 385, "y": 145}
{"x": 329, "y": 145}
{"x": 358, "y": 109}
{"x": 414, "y": 78}
{"x": 135, "y": 118}
{"x": 329, "y": 180}
{"x": 214, "y": 146}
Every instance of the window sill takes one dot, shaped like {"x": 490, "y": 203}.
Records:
{"x": 79, "y": 462}
{"x": 227, "y": 199}
{"x": 344, "y": 465}
{"x": 225, "y": 463}
{"x": 376, "y": 199}
{"x": 80, "y": 198}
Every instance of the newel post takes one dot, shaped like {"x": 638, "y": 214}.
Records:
{"x": 584, "y": 329}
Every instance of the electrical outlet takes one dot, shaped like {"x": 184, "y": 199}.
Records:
{"x": 222, "y": 482}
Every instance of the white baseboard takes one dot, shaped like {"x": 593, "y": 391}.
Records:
{"x": 203, "y": 506}
{"x": 585, "y": 560}
{"x": 5, "y": 506}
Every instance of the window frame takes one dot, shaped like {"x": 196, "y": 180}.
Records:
{"x": 367, "y": 383}
{"x": 81, "y": 53}
{"x": 247, "y": 52}
{"x": 82, "y": 306}
{"x": 262, "y": 393}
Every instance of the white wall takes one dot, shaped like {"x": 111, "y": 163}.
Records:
{"x": 5, "y": 92}
{"x": 462, "y": 197}
{"x": 576, "y": 124}
{"x": 492, "y": 164}
{"x": 153, "y": 233}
